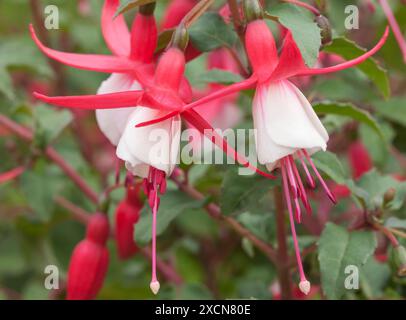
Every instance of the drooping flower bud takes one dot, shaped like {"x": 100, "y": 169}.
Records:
{"x": 252, "y": 10}
{"x": 89, "y": 261}
{"x": 389, "y": 195}
{"x": 400, "y": 260}
{"x": 325, "y": 29}
{"x": 261, "y": 48}
{"x": 171, "y": 66}
{"x": 127, "y": 215}
{"x": 144, "y": 35}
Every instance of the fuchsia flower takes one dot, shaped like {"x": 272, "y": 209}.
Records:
{"x": 89, "y": 261}
{"x": 395, "y": 26}
{"x": 287, "y": 127}
{"x": 282, "y": 115}
{"x": 162, "y": 92}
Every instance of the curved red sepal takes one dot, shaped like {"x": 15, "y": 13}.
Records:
{"x": 93, "y": 102}
{"x": 94, "y": 62}
{"x": 291, "y": 60}
{"x": 115, "y": 30}
{"x": 205, "y": 128}
{"x": 236, "y": 87}
{"x": 350, "y": 63}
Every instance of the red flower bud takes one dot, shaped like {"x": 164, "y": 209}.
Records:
{"x": 127, "y": 215}
{"x": 261, "y": 48}
{"x": 176, "y": 10}
{"x": 89, "y": 261}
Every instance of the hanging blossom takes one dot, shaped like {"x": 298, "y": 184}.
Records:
{"x": 287, "y": 127}
{"x": 162, "y": 92}
{"x": 395, "y": 26}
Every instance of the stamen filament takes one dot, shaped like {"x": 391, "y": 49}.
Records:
{"x": 310, "y": 179}
{"x": 295, "y": 190}
{"x": 325, "y": 187}
{"x": 302, "y": 190}
{"x": 292, "y": 226}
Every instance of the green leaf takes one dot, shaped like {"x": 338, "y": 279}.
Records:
{"x": 374, "y": 185}
{"x": 6, "y": 86}
{"x": 337, "y": 249}
{"x": 394, "y": 222}
{"x": 173, "y": 203}
{"x": 305, "y": 31}
{"x": 220, "y": 77}
{"x": 127, "y": 5}
{"x": 259, "y": 224}
{"x": 240, "y": 192}
{"x": 50, "y": 122}
{"x": 350, "y": 50}
{"x": 39, "y": 186}
{"x": 19, "y": 53}
{"x": 393, "y": 110}
{"x": 211, "y": 32}
{"x": 374, "y": 277}
{"x": 347, "y": 109}
{"x": 163, "y": 39}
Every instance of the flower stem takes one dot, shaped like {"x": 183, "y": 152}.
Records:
{"x": 305, "y": 5}
{"x": 214, "y": 211}
{"x": 54, "y": 156}
{"x": 236, "y": 17}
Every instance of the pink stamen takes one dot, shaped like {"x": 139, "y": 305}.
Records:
{"x": 154, "y": 214}
{"x": 292, "y": 224}
{"x": 395, "y": 27}
{"x": 154, "y": 183}
{"x": 295, "y": 190}
{"x": 310, "y": 179}
{"x": 302, "y": 190}
{"x": 325, "y": 187}
{"x": 291, "y": 177}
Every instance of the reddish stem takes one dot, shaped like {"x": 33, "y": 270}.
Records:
{"x": 54, "y": 156}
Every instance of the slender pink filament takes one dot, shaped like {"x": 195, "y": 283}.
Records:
{"x": 395, "y": 26}
{"x": 292, "y": 224}
{"x": 295, "y": 190}
{"x": 310, "y": 179}
{"x": 326, "y": 189}
{"x": 154, "y": 214}
{"x": 302, "y": 190}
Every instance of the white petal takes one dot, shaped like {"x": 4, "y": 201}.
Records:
{"x": 112, "y": 121}
{"x": 285, "y": 122}
{"x": 155, "y": 145}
